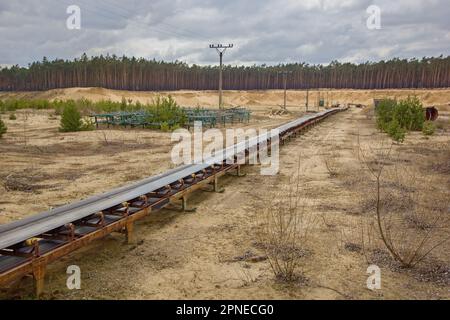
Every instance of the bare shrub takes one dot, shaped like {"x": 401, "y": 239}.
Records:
{"x": 247, "y": 277}
{"x": 105, "y": 138}
{"x": 22, "y": 181}
{"x": 331, "y": 160}
{"x": 286, "y": 230}
{"x": 15, "y": 183}
{"x": 25, "y": 119}
{"x": 410, "y": 208}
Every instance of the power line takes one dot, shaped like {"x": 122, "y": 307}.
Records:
{"x": 220, "y": 48}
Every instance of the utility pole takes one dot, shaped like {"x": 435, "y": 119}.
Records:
{"x": 318, "y": 99}
{"x": 307, "y": 99}
{"x": 285, "y": 75}
{"x": 220, "y": 50}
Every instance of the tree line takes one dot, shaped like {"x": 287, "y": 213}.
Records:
{"x": 139, "y": 74}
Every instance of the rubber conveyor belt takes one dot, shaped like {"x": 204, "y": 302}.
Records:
{"x": 18, "y": 231}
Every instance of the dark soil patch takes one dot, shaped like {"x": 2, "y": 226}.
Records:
{"x": 430, "y": 270}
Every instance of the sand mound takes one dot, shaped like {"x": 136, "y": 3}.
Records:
{"x": 240, "y": 98}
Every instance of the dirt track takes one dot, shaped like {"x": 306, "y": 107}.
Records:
{"x": 214, "y": 253}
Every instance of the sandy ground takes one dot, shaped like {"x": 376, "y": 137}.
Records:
{"x": 214, "y": 253}
{"x": 49, "y": 168}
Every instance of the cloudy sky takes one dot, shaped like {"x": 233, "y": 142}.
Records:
{"x": 263, "y": 31}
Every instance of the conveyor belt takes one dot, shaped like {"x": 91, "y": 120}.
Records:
{"x": 13, "y": 235}
{"x": 27, "y": 228}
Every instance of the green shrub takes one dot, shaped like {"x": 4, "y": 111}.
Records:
{"x": 3, "y": 128}
{"x": 410, "y": 114}
{"x": 12, "y": 116}
{"x": 385, "y": 113}
{"x": 397, "y": 118}
{"x": 428, "y": 128}
{"x": 88, "y": 125}
{"x": 71, "y": 119}
{"x": 167, "y": 110}
{"x": 161, "y": 109}
{"x": 165, "y": 127}
{"x": 395, "y": 131}
{"x": 123, "y": 104}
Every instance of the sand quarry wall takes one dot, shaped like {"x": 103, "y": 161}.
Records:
{"x": 241, "y": 98}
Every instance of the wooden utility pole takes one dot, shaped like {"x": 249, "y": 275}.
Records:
{"x": 285, "y": 75}
{"x": 318, "y": 100}
{"x": 220, "y": 50}
{"x": 307, "y": 99}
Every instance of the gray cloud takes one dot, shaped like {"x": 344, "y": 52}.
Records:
{"x": 263, "y": 31}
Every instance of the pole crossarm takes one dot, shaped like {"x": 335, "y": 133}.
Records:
{"x": 220, "y": 47}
